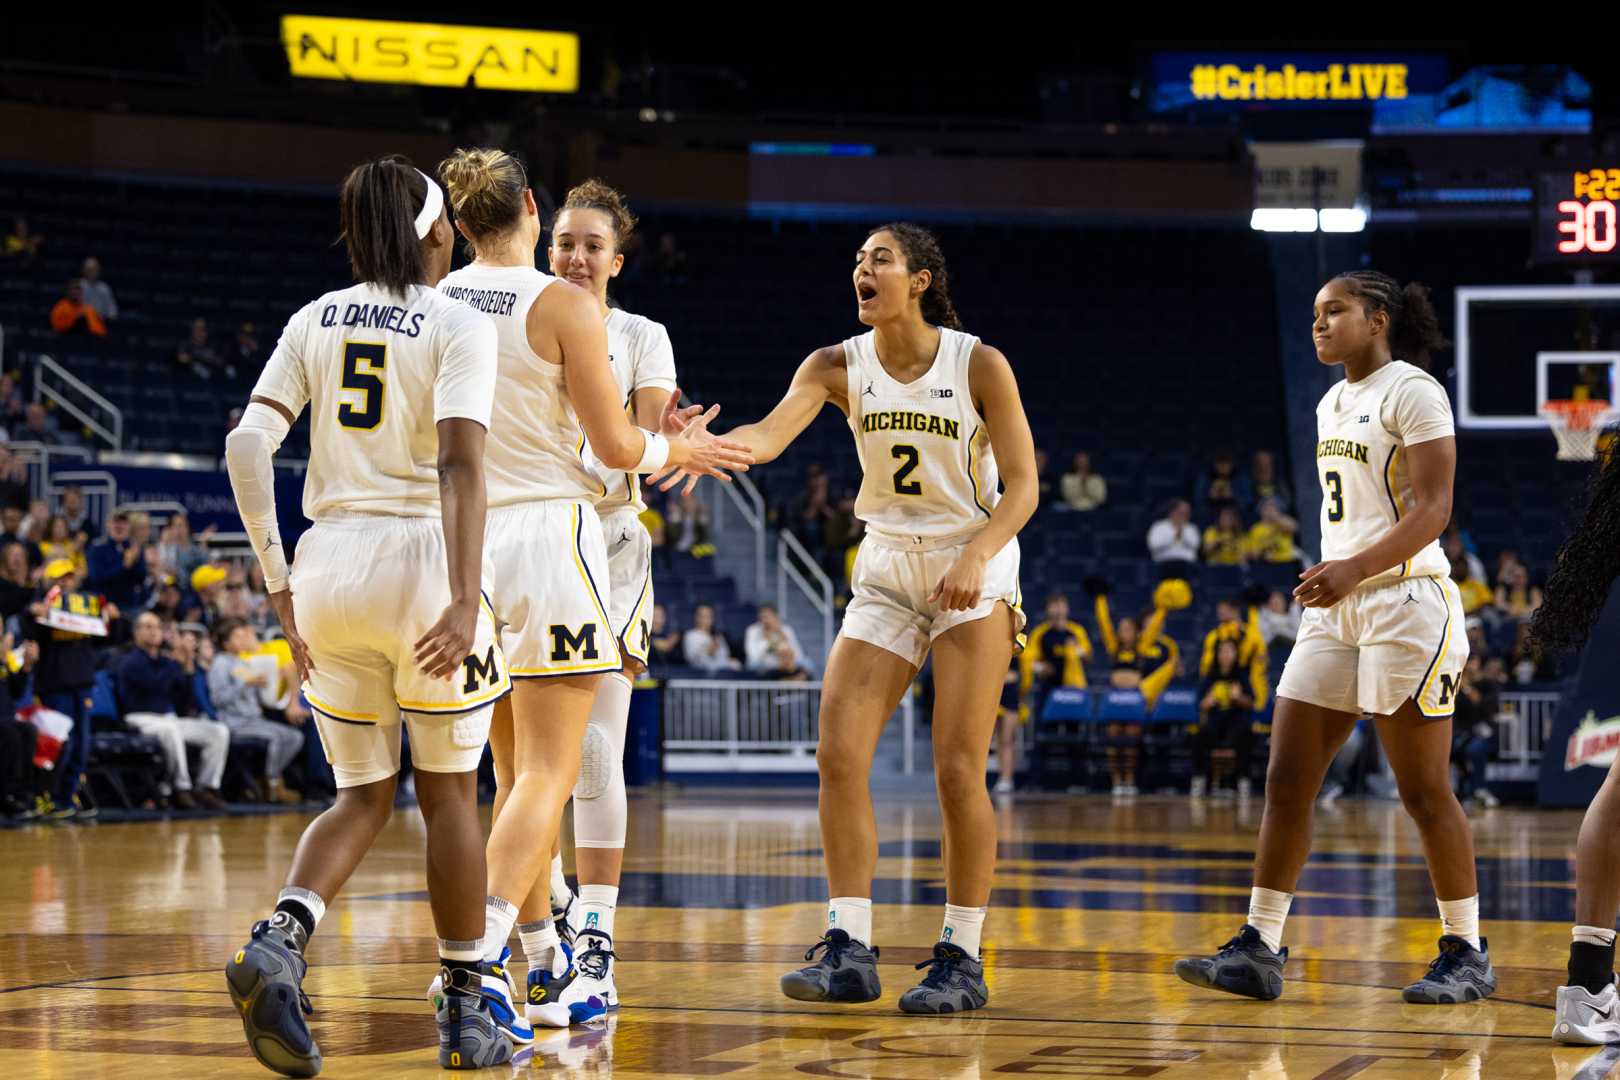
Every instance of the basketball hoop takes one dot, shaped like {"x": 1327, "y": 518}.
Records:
{"x": 1576, "y": 425}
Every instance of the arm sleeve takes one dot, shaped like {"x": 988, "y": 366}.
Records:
{"x": 249, "y": 458}
{"x": 1418, "y": 411}
{"x": 284, "y": 380}
{"x": 655, "y": 368}
{"x": 465, "y": 387}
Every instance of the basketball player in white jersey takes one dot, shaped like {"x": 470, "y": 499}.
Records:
{"x": 949, "y": 480}
{"x": 383, "y": 607}
{"x": 1383, "y": 636}
{"x": 556, "y": 390}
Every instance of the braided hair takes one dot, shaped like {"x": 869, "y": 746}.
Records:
{"x": 922, "y": 251}
{"x": 1414, "y": 328}
{"x": 1586, "y": 565}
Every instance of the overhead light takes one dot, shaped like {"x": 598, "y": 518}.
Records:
{"x": 1343, "y": 221}
{"x": 1278, "y": 219}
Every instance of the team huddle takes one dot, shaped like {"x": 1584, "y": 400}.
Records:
{"x": 477, "y": 572}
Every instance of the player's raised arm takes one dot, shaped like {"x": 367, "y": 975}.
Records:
{"x": 820, "y": 379}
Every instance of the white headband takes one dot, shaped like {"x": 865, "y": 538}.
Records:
{"x": 431, "y": 206}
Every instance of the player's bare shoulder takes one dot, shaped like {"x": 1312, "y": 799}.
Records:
{"x": 828, "y": 368}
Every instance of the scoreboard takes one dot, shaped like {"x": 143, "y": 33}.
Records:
{"x": 1575, "y": 217}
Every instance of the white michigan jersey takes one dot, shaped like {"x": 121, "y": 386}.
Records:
{"x": 379, "y": 371}
{"x": 1363, "y": 430}
{"x": 925, "y": 454}
{"x": 536, "y": 447}
{"x": 641, "y": 357}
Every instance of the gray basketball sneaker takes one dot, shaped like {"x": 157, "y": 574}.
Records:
{"x": 1460, "y": 973}
{"x": 1245, "y": 965}
{"x": 468, "y": 1035}
{"x": 954, "y": 983}
{"x": 265, "y": 979}
{"x": 847, "y": 971}
{"x": 1582, "y": 1018}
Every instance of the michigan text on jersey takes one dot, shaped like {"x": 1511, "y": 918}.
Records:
{"x": 1342, "y": 448}
{"x": 923, "y": 423}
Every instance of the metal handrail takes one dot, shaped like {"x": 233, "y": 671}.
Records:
{"x": 751, "y": 505}
{"x": 37, "y": 457}
{"x": 787, "y": 543}
{"x": 114, "y": 435}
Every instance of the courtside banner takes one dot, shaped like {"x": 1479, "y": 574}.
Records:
{"x": 1222, "y": 82}
{"x": 431, "y": 54}
{"x": 1586, "y": 731}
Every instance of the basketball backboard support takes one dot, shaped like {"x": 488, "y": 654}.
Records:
{"x": 1502, "y": 384}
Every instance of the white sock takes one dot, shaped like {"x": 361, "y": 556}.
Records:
{"x": 499, "y": 915}
{"x": 596, "y": 906}
{"x": 962, "y": 928}
{"x": 307, "y": 899}
{"x": 1594, "y": 935}
{"x": 561, "y": 894}
{"x": 1268, "y": 910}
{"x": 541, "y": 947}
{"x": 1461, "y": 917}
{"x": 852, "y": 915}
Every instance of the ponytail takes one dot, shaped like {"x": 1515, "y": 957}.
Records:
{"x": 922, "y": 251}
{"x": 378, "y": 203}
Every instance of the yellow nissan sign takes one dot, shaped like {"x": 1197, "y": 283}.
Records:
{"x": 368, "y": 50}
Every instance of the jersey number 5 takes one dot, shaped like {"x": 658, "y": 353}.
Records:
{"x": 1335, "y": 493}
{"x": 909, "y": 459}
{"x": 363, "y": 364}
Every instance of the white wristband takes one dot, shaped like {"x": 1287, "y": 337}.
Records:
{"x": 655, "y": 454}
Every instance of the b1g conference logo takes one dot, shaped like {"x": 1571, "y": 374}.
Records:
{"x": 1594, "y": 742}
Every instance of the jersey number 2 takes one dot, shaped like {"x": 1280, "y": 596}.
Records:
{"x": 910, "y": 459}
{"x": 1335, "y": 486}
{"x": 363, "y": 365}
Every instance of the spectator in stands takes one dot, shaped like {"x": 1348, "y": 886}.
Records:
{"x": 1055, "y": 655}
{"x": 1081, "y": 488}
{"x": 67, "y": 670}
{"x": 1045, "y": 487}
{"x": 703, "y": 646}
{"x": 179, "y": 552}
{"x": 75, "y": 513}
{"x": 1225, "y": 542}
{"x": 35, "y": 522}
{"x": 168, "y": 603}
{"x": 1516, "y": 597}
{"x": 689, "y": 520}
{"x": 71, "y": 315}
{"x": 118, "y": 561}
{"x": 13, "y": 480}
{"x": 208, "y": 583}
{"x": 670, "y": 261}
{"x": 234, "y": 686}
{"x": 772, "y": 648}
{"x": 97, "y": 293}
{"x": 1280, "y": 618}
{"x": 40, "y": 427}
{"x": 245, "y": 354}
{"x": 1476, "y": 595}
{"x": 842, "y": 537}
{"x": 1231, "y": 626}
{"x": 1271, "y": 539}
{"x": 1225, "y": 734}
{"x": 1009, "y": 714}
{"x": 813, "y": 508}
{"x": 61, "y": 543}
{"x": 1478, "y": 644}
{"x": 11, "y": 519}
{"x": 22, "y": 243}
{"x": 1474, "y": 735}
{"x": 18, "y": 785}
{"x": 1143, "y": 660}
{"x": 1221, "y": 486}
{"x": 1265, "y": 483}
{"x": 1456, "y": 546}
{"x": 157, "y": 699}
{"x": 17, "y": 585}
{"x": 666, "y": 639}
{"x": 653, "y": 519}
{"x": 197, "y": 353}
{"x": 12, "y": 404}
{"x": 1173, "y": 541}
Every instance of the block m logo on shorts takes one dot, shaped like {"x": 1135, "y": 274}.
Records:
{"x": 1448, "y": 688}
{"x": 481, "y": 672}
{"x": 568, "y": 644}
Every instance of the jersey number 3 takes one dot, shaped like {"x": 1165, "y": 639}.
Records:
{"x": 363, "y": 365}
{"x": 1335, "y": 493}
{"x": 909, "y": 459}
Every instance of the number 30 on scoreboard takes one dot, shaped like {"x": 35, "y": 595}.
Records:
{"x": 1576, "y": 220}
{"x": 1586, "y": 226}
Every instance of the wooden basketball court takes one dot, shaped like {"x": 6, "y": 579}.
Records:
{"x": 115, "y": 936}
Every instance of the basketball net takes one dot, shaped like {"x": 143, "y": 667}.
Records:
{"x": 1576, "y": 425}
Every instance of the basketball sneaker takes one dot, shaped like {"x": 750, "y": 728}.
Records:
{"x": 592, "y": 994}
{"x": 954, "y": 983}
{"x": 265, "y": 979}
{"x": 1460, "y": 973}
{"x": 847, "y": 971}
{"x": 545, "y": 1005}
{"x": 500, "y": 994}
{"x": 562, "y": 919}
{"x": 469, "y": 1038}
{"x": 1582, "y": 1018}
{"x": 1245, "y": 966}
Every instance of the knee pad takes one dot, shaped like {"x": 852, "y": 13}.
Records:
{"x": 598, "y": 764}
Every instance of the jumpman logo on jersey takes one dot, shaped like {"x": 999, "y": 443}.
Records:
{"x": 869, "y": 392}
{"x": 271, "y": 542}
{"x": 624, "y": 537}
{"x": 1410, "y": 599}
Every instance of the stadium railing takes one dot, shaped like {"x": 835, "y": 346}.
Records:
{"x": 1523, "y": 725}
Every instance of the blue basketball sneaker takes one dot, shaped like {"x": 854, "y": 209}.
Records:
{"x": 954, "y": 983}
{"x": 1245, "y": 966}
{"x": 1461, "y": 973}
{"x": 847, "y": 971}
{"x": 592, "y": 994}
{"x": 545, "y": 1005}
{"x": 500, "y": 992}
{"x": 265, "y": 979}
{"x": 468, "y": 1035}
